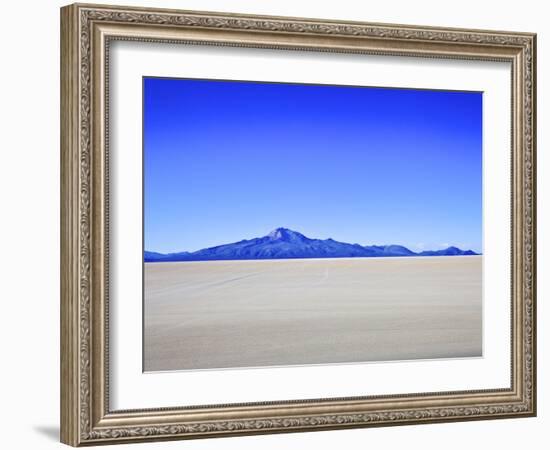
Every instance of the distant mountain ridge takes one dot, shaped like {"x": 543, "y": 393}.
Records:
{"x": 283, "y": 243}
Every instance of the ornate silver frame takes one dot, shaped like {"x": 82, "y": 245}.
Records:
{"x": 86, "y": 31}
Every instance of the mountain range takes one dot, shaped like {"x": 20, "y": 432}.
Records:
{"x": 283, "y": 243}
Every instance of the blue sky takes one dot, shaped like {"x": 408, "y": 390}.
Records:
{"x": 226, "y": 160}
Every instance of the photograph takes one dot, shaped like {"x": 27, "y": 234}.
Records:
{"x": 289, "y": 224}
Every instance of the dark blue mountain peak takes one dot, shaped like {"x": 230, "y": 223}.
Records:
{"x": 449, "y": 251}
{"x": 286, "y": 235}
{"x": 283, "y": 243}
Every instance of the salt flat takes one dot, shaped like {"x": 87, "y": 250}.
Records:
{"x": 220, "y": 314}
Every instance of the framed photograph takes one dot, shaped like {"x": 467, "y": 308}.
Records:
{"x": 275, "y": 224}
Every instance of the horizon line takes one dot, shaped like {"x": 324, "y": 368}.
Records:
{"x": 308, "y": 259}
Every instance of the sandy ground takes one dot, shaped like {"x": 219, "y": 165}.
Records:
{"x": 220, "y": 314}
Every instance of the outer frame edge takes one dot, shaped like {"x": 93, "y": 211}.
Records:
{"x": 69, "y": 308}
{"x": 70, "y": 226}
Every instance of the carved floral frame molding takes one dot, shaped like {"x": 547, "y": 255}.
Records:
{"x": 86, "y": 31}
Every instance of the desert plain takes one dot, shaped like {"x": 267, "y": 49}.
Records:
{"x": 231, "y": 314}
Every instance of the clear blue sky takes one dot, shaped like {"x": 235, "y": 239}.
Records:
{"x": 226, "y": 160}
